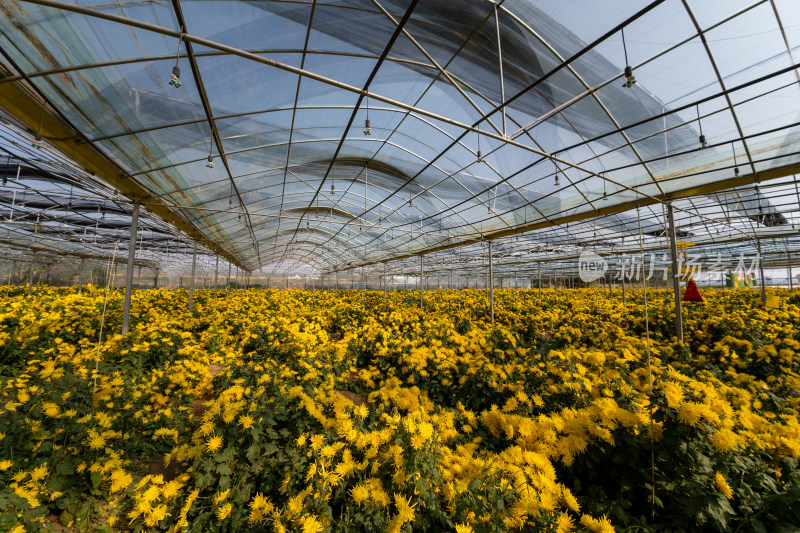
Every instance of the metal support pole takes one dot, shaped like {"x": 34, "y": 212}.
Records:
{"x": 385, "y": 281}
{"x": 539, "y": 268}
{"x": 216, "y": 271}
{"x": 624, "y": 300}
{"x": 421, "y": 289}
{"x": 491, "y": 283}
{"x": 30, "y": 278}
{"x": 789, "y": 260}
{"x": 126, "y": 310}
{"x": 191, "y": 286}
{"x": 761, "y": 273}
{"x": 676, "y": 282}
{"x": 228, "y": 280}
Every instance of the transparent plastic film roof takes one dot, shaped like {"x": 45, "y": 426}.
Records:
{"x": 347, "y": 133}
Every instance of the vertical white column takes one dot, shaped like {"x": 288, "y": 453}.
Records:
{"x": 491, "y": 283}
{"x": 126, "y": 311}
{"x": 216, "y": 271}
{"x": 421, "y": 285}
{"x": 191, "y": 286}
{"x": 676, "y": 283}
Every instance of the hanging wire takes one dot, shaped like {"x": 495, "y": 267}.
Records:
{"x": 367, "y": 128}
{"x": 735, "y": 164}
{"x": 630, "y": 79}
{"x": 703, "y": 143}
{"x": 210, "y": 163}
{"x": 109, "y": 270}
{"x": 8, "y": 164}
{"x": 649, "y": 372}
{"x": 480, "y": 158}
{"x": 624, "y": 47}
{"x": 37, "y": 138}
{"x": 174, "y": 78}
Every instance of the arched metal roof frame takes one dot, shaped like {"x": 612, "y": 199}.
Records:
{"x": 673, "y": 111}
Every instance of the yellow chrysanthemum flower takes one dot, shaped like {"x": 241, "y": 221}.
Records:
{"x": 722, "y": 485}
{"x": 224, "y": 511}
{"x": 214, "y": 443}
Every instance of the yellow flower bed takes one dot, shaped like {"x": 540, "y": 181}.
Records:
{"x": 337, "y": 411}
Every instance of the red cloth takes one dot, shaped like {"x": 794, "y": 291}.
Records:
{"x": 692, "y": 294}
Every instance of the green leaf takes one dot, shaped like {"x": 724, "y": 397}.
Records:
{"x": 270, "y": 448}
{"x": 252, "y": 453}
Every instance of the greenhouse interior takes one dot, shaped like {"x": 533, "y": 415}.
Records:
{"x": 399, "y": 265}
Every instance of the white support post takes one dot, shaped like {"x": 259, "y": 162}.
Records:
{"x": 191, "y": 286}
{"x": 30, "y": 277}
{"x": 539, "y": 269}
{"x": 126, "y": 311}
{"x": 421, "y": 286}
{"x": 624, "y": 299}
{"x": 676, "y": 282}
{"x": 216, "y": 271}
{"x": 228, "y": 280}
{"x": 761, "y": 273}
{"x": 491, "y": 283}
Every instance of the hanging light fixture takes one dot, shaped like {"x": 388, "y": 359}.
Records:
{"x": 703, "y": 143}
{"x": 210, "y": 163}
{"x": 37, "y": 137}
{"x": 174, "y": 78}
{"x": 367, "y": 129}
{"x": 480, "y": 158}
{"x": 760, "y": 208}
{"x": 735, "y": 165}
{"x": 605, "y": 194}
{"x": 630, "y": 79}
